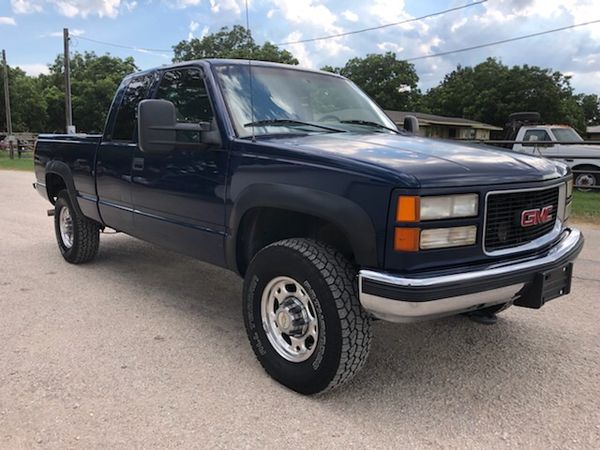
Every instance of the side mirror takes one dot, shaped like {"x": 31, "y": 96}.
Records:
{"x": 157, "y": 126}
{"x": 411, "y": 124}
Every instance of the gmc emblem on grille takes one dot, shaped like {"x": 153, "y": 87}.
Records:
{"x": 531, "y": 217}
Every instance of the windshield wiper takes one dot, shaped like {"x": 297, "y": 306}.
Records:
{"x": 287, "y": 122}
{"x": 370, "y": 124}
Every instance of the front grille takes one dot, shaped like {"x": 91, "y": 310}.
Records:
{"x": 503, "y": 222}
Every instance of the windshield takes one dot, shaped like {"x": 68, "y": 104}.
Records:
{"x": 292, "y": 101}
{"x": 566, "y": 135}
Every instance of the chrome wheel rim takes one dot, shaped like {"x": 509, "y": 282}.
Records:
{"x": 65, "y": 223}
{"x": 289, "y": 319}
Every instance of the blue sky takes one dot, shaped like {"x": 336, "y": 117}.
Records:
{"x": 31, "y": 30}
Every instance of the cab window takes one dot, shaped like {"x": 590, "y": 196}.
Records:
{"x": 125, "y": 122}
{"x": 536, "y": 136}
{"x": 185, "y": 88}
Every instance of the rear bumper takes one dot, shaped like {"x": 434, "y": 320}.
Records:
{"x": 404, "y": 299}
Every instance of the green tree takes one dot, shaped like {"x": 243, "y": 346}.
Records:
{"x": 390, "y": 82}
{"x": 490, "y": 91}
{"x": 28, "y": 108}
{"x": 94, "y": 80}
{"x": 590, "y": 104}
{"x": 236, "y": 43}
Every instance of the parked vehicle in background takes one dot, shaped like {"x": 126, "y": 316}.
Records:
{"x": 559, "y": 142}
{"x": 296, "y": 180}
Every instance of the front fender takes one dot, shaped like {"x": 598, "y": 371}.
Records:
{"x": 348, "y": 216}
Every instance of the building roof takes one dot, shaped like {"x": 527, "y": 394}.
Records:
{"x": 432, "y": 119}
{"x": 594, "y": 129}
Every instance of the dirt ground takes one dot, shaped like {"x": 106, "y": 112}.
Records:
{"x": 144, "y": 348}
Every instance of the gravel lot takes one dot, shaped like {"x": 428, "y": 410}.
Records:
{"x": 146, "y": 348}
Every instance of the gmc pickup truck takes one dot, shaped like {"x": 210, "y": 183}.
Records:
{"x": 297, "y": 181}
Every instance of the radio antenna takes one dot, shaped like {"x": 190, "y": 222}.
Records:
{"x": 250, "y": 74}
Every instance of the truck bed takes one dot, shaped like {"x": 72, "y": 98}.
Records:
{"x": 77, "y": 151}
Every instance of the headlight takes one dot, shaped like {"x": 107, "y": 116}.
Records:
{"x": 448, "y": 237}
{"x": 415, "y": 209}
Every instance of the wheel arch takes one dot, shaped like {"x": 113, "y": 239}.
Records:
{"x": 312, "y": 208}
{"x": 58, "y": 176}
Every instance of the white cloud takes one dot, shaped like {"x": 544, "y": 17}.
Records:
{"x": 26, "y": 6}
{"x": 72, "y": 32}
{"x": 350, "y": 16}
{"x": 390, "y": 47}
{"x": 186, "y": 3}
{"x": 76, "y": 8}
{"x": 299, "y": 50}
{"x": 35, "y": 69}
{"x": 7, "y": 21}
{"x": 193, "y": 27}
{"x": 458, "y": 24}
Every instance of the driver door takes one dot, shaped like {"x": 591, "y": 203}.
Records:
{"x": 179, "y": 197}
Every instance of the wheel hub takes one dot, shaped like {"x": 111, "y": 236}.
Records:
{"x": 291, "y": 317}
{"x": 66, "y": 227}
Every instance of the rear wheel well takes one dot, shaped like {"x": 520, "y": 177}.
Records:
{"x": 260, "y": 227}
{"x": 586, "y": 167}
{"x": 54, "y": 184}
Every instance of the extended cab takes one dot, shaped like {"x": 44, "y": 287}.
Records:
{"x": 301, "y": 184}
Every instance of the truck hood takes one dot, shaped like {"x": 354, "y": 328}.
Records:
{"x": 431, "y": 163}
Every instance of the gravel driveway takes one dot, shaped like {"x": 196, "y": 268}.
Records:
{"x": 146, "y": 348}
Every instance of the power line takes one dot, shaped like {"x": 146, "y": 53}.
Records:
{"x": 503, "y": 41}
{"x": 362, "y": 30}
{"x": 111, "y": 44}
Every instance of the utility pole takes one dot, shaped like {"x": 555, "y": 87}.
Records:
{"x": 7, "y": 107}
{"x": 68, "y": 112}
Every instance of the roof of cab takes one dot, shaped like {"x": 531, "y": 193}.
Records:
{"x": 229, "y": 62}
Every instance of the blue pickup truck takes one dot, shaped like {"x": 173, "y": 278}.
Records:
{"x": 297, "y": 181}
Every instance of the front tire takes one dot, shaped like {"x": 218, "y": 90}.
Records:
{"x": 77, "y": 236}
{"x": 303, "y": 317}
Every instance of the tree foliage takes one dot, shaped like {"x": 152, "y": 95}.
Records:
{"x": 94, "y": 80}
{"x": 28, "y": 107}
{"x": 490, "y": 91}
{"x": 390, "y": 82}
{"x": 590, "y": 104}
{"x": 236, "y": 43}
{"x": 38, "y": 103}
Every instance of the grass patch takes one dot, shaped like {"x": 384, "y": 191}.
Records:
{"x": 25, "y": 163}
{"x": 586, "y": 206}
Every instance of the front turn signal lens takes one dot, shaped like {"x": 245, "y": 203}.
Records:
{"x": 406, "y": 239}
{"x": 407, "y": 209}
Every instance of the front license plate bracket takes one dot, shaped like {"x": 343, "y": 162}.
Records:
{"x": 546, "y": 286}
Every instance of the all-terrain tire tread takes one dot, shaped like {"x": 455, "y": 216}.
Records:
{"x": 88, "y": 235}
{"x": 355, "y": 323}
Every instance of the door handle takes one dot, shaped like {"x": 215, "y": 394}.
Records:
{"x": 138, "y": 163}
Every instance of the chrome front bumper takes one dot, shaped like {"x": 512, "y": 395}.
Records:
{"x": 407, "y": 299}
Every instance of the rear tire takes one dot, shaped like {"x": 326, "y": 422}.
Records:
{"x": 303, "y": 317}
{"x": 77, "y": 236}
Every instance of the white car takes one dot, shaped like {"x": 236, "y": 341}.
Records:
{"x": 551, "y": 141}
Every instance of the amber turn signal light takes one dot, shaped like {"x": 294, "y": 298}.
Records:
{"x": 407, "y": 209}
{"x": 406, "y": 239}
